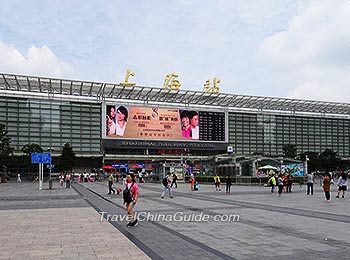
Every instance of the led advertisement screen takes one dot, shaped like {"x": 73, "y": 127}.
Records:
{"x": 153, "y": 123}
{"x": 296, "y": 169}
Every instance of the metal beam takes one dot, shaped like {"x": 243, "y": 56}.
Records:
{"x": 14, "y": 83}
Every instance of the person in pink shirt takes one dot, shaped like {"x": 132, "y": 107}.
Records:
{"x": 130, "y": 196}
{"x": 185, "y": 124}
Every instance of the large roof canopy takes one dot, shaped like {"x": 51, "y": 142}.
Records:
{"x": 54, "y": 86}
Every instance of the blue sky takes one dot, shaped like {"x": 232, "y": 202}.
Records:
{"x": 289, "y": 48}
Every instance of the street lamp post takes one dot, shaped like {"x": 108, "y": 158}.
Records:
{"x": 50, "y": 166}
{"x": 306, "y": 159}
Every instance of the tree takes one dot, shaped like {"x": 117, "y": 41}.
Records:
{"x": 5, "y": 145}
{"x": 289, "y": 151}
{"x": 313, "y": 161}
{"x": 67, "y": 158}
{"x": 329, "y": 160}
{"x": 27, "y": 150}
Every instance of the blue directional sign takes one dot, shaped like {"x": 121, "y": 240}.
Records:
{"x": 50, "y": 166}
{"x": 41, "y": 158}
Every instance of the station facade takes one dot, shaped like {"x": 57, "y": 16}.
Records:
{"x": 51, "y": 112}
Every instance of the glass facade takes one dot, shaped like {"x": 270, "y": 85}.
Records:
{"x": 267, "y": 133}
{"x": 52, "y": 123}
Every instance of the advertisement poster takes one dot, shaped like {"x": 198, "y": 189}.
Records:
{"x": 296, "y": 169}
{"x": 147, "y": 123}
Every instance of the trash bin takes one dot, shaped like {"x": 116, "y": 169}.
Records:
{"x": 50, "y": 184}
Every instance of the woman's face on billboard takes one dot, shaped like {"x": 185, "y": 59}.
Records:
{"x": 120, "y": 116}
{"x": 112, "y": 112}
{"x": 185, "y": 121}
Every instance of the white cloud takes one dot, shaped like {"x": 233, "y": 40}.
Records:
{"x": 313, "y": 49}
{"x": 306, "y": 41}
{"x": 310, "y": 88}
{"x": 40, "y": 61}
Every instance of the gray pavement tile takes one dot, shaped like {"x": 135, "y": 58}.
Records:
{"x": 266, "y": 223}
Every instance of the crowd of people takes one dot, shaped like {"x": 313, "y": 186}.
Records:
{"x": 65, "y": 179}
{"x": 228, "y": 182}
{"x": 284, "y": 182}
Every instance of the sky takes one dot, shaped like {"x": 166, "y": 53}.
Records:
{"x": 291, "y": 48}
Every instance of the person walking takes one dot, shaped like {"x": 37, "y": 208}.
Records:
{"x": 289, "y": 182}
{"x": 310, "y": 184}
{"x": 130, "y": 196}
{"x": 68, "y": 180}
{"x": 285, "y": 182}
{"x": 280, "y": 185}
{"x": 110, "y": 183}
{"x": 167, "y": 180}
{"x": 61, "y": 178}
{"x": 228, "y": 184}
{"x": 327, "y": 186}
{"x": 342, "y": 184}
{"x": 124, "y": 179}
{"x": 272, "y": 182}
{"x": 217, "y": 182}
{"x": 174, "y": 181}
{"x": 19, "y": 177}
{"x": 192, "y": 181}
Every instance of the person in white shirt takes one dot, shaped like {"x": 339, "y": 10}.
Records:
{"x": 19, "y": 178}
{"x": 342, "y": 184}
{"x": 194, "y": 124}
{"x": 122, "y": 118}
{"x": 310, "y": 184}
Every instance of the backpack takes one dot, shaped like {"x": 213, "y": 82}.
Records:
{"x": 196, "y": 186}
{"x": 127, "y": 195}
{"x": 165, "y": 181}
{"x": 271, "y": 181}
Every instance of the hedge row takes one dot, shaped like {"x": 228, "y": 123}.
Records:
{"x": 239, "y": 179}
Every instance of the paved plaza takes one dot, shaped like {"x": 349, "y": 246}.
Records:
{"x": 249, "y": 223}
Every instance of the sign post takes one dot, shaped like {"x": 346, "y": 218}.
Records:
{"x": 41, "y": 158}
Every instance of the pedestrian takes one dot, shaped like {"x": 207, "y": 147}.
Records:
{"x": 285, "y": 182}
{"x": 61, "y": 178}
{"x": 19, "y": 177}
{"x": 342, "y": 184}
{"x": 140, "y": 177}
{"x": 193, "y": 182}
{"x": 124, "y": 179}
{"x": 228, "y": 184}
{"x": 167, "y": 180}
{"x": 110, "y": 183}
{"x": 310, "y": 184}
{"x": 68, "y": 180}
{"x": 130, "y": 196}
{"x": 280, "y": 185}
{"x": 272, "y": 182}
{"x": 332, "y": 178}
{"x": 217, "y": 182}
{"x": 174, "y": 181}
{"x": 289, "y": 182}
{"x": 327, "y": 186}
